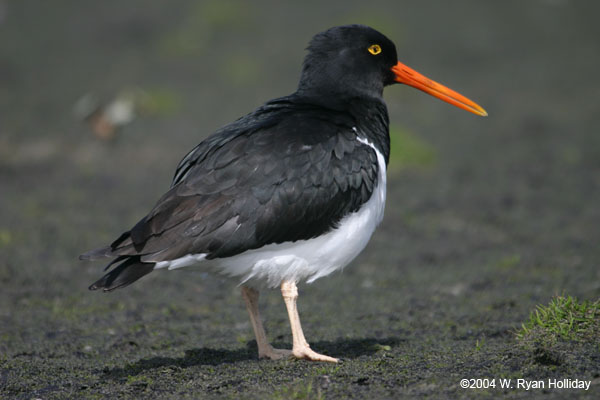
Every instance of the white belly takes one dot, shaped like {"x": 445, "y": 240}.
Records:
{"x": 304, "y": 259}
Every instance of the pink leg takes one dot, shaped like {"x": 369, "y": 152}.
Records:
{"x": 301, "y": 349}
{"x": 265, "y": 350}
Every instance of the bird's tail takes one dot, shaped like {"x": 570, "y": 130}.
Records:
{"x": 117, "y": 248}
{"x": 129, "y": 271}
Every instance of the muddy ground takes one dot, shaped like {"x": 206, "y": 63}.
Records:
{"x": 486, "y": 217}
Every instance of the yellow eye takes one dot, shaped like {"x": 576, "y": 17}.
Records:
{"x": 374, "y": 49}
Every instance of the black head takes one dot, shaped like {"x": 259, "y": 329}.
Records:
{"x": 348, "y": 60}
{"x": 357, "y": 61}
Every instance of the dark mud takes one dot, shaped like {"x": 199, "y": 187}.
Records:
{"x": 486, "y": 218}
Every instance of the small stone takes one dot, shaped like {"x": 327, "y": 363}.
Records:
{"x": 324, "y": 381}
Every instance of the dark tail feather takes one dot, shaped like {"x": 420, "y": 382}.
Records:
{"x": 108, "y": 251}
{"x": 97, "y": 254}
{"x": 124, "y": 274}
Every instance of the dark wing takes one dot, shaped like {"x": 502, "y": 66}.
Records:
{"x": 290, "y": 179}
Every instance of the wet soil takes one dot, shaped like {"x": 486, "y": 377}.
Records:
{"x": 501, "y": 215}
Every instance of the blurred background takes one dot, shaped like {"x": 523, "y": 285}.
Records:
{"x": 485, "y": 218}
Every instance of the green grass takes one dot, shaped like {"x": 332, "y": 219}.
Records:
{"x": 139, "y": 380}
{"x": 409, "y": 151}
{"x": 158, "y": 101}
{"x": 564, "y": 318}
{"x": 479, "y": 344}
{"x": 6, "y": 237}
{"x": 299, "y": 391}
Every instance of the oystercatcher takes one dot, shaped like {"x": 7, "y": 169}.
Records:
{"x": 291, "y": 191}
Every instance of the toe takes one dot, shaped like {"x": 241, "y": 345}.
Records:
{"x": 308, "y": 354}
{"x": 275, "y": 354}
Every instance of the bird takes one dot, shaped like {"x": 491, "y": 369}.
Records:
{"x": 290, "y": 192}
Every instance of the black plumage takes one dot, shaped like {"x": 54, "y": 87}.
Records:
{"x": 124, "y": 274}
{"x": 291, "y": 191}
{"x": 289, "y": 171}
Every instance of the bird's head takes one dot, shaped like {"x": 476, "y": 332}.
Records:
{"x": 355, "y": 60}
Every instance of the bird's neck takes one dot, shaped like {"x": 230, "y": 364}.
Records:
{"x": 367, "y": 114}
{"x": 335, "y": 92}
{"x": 372, "y": 120}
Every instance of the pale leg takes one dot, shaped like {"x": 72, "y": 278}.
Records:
{"x": 265, "y": 350}
{"x": 301, "y": 349}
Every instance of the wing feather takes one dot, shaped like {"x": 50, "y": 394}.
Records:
{"x": 284, "y": 176}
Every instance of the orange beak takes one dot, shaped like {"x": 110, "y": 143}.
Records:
{"x": 410, "y": 77}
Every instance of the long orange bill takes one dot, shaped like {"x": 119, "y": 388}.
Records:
{"x": 410, "y": 77}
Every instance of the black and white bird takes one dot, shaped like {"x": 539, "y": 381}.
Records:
{"x": 290, "y": 192}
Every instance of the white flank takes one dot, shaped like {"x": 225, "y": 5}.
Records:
{"x": 185, "y": 261}
{"x": 304, "y": 259}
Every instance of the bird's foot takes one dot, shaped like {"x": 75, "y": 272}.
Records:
{"x": 274, "y": 354}
{"x": 306, "y": 353}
